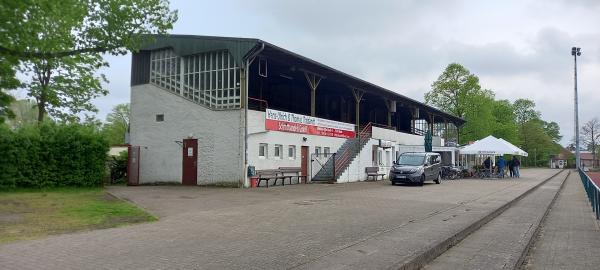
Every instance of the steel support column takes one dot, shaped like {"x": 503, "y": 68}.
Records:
{"x": 313, "y": 82}
{"x": 391, "y": 106}
{"x": 414, "y": 112}
{"x": 446, "y": 130}
{"x": 457, "y": 134}
{"x": 358, "y": 94}
{"x": 432, "y": 124}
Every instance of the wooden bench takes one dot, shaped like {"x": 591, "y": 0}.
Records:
{"x": 267, "y": 175}
{"x": 294, "y": 170}
{"x": 374, "y": 172}
{"x": 281, "y": 173}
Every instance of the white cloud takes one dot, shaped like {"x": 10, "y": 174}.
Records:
{"x": 520, "y": 49}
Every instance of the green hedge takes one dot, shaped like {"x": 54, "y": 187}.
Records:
{"x": 52, "y": 155}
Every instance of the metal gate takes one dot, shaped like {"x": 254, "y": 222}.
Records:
{"x": 322, "y": 167}
{"x": 133, "y": 165}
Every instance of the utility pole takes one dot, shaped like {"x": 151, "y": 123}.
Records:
{"x": 576, "y": 52}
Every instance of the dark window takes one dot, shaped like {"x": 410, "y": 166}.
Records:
{"x": 160, "y": 117}
{"x": 262, "y": 67}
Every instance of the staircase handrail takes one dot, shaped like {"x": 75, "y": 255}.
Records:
{"x": 419, "y": 132}
{"x": 366, "y": 131}
{"x": 383, "y": 126}
{"x": 345, "y": 157}
{"x": 341, "y": 160}
{"x": 262, "y": 101}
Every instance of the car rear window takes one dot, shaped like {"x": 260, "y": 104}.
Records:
{"x": 410, "y": 160}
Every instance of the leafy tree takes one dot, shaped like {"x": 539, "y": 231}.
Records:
{"x": 505, "y": 125}
{"x": 458, "y": 92}
{"x": 65, "y": 87}
{"x": 92, "y": 121}
{"x": 5, "y": 112}
{"x": 479, "y": 116}
{"x": 590, "y": 134}
{"x": 453, "y": 90}
{"x": 525, "y": 111}
{"x": 75, "y": 27}
{"x": 59, "y": 45}
{"x": 553, "y": 130}
{"x": 538, "y": 143}
{"x": 117, "y": 124}
{"x": 7, "y": 81}
{"x": 25, "y": 111}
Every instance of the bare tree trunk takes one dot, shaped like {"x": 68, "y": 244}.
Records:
{"x": 41, "y": 111}
{"x": 593, "y": 148}
{"x": 44, "y": 79}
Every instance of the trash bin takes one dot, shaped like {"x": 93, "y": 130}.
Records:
{"x": 254, "y": 181}
{"x": 253, "y": 177}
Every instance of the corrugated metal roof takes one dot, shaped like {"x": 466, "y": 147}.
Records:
{"x": 240, "y": 47}
{"x": 184, "y": 45}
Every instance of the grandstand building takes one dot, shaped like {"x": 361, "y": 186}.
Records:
{"x": 204, "y": 109}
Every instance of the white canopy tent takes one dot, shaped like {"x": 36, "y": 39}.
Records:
{"x": 489, "y": 146}
{"x": 517, "y": 151}
{"x": 492, "y": 146}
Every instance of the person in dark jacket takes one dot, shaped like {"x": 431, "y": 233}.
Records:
{"x": 487, "y": 164}
{"x": 511, "y": 168}
{"x": 516, "y": 165}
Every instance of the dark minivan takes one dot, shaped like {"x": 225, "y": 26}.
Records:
{"x": 416, "y": 168}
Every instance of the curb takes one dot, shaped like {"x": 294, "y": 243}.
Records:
{"x": 133, "y": 203}
{"x": 523, "y": 258}
{"x": 429, "y": 255}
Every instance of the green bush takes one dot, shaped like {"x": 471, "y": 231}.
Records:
{"x": 52, "y": 155}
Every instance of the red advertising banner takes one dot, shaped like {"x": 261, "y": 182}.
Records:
{"x": 297, "y": 123}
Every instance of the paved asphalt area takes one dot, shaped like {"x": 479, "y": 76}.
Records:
{"x": 298, "y": 226}
{"x": 501, "y": 243}
{"x": 570, "y": 235}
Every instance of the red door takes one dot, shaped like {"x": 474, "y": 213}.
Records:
{"x": 189, "y": 174}
{"x": 304, "y": 160}
{"x": 133, "y": 165}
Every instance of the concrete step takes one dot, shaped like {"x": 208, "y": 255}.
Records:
{"x": 322, "y": 179}
{"x": 413, "y": 244}
{"x": 503, "y": 242}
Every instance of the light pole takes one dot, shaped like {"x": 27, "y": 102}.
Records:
{"x": 576, "y": 52}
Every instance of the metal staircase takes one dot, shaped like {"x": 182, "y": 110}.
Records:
{"x": 339, "y": 161}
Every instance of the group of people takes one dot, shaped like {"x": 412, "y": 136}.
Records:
{"x": 514, "y": 165}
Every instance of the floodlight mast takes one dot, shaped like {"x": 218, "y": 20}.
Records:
{"x": 575, "y": 51}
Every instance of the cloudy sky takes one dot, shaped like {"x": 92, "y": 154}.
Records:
{"x": 519, "y": 49}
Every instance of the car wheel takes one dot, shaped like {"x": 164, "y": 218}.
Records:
{"x": 393, "y": 183}
{"x": 439, "y": 179}
{"x": 422, "y": 180}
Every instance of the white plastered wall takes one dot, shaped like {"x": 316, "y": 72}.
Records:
{"x": 219, "y": 134}
{"x": 257, "y": 135}
{"x": 356, "y": 170}
{"x": 402, "y": 142}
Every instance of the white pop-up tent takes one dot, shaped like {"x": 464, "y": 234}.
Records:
{"x": 489, "y": 146}
{"x": 492, "y": 146}
{"x": 517, "y": 151}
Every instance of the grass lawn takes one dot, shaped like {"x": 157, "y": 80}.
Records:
{"x": 28, "y": 214}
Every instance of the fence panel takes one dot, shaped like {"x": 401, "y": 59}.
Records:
{"x": 593, "y": 192}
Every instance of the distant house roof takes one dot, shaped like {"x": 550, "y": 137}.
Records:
{"x": 564, "y": 154}
{"x": 586, "y": 156}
